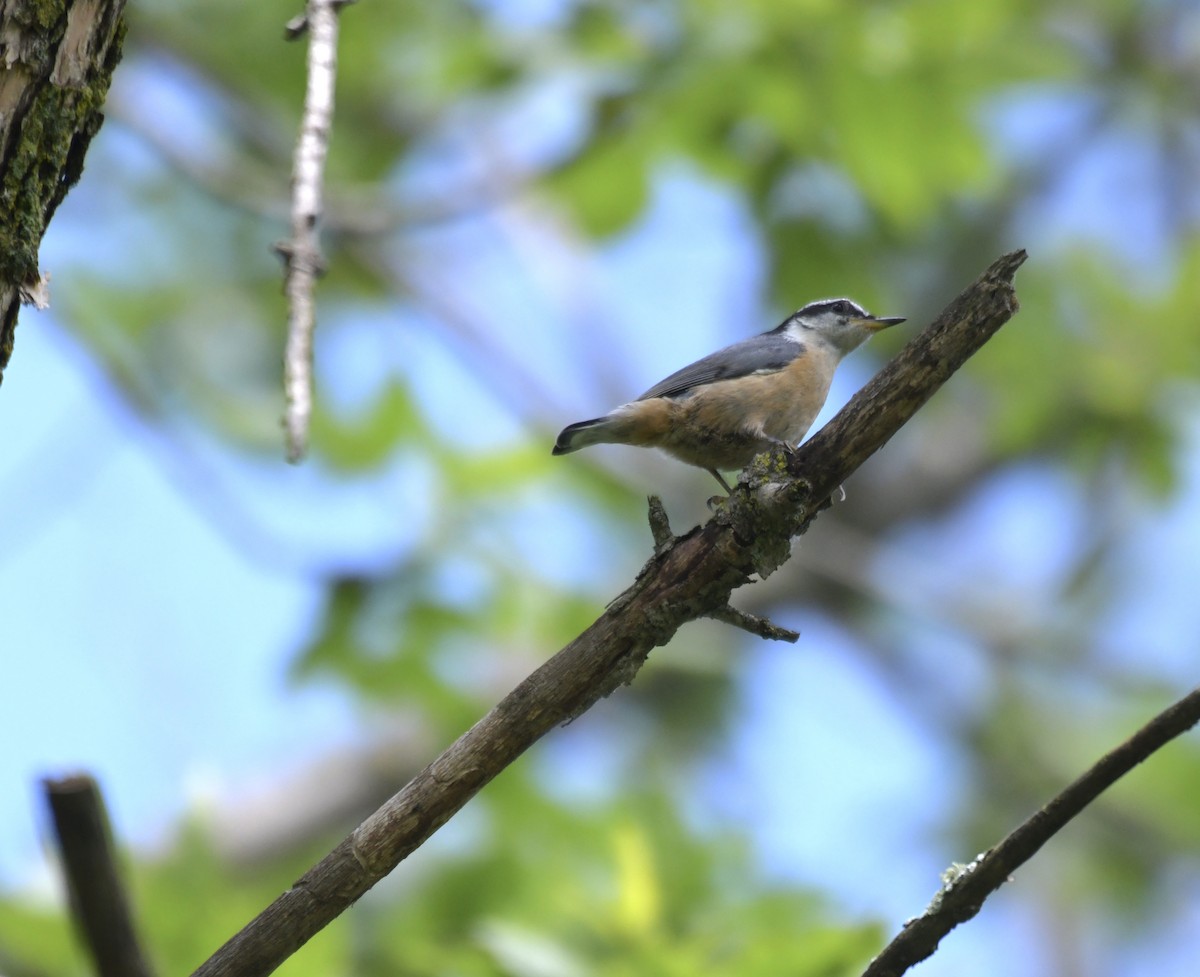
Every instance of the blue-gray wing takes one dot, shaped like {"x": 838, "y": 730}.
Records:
{"x": 762, "y": 354}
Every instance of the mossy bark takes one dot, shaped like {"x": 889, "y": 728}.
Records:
{"x": 58, "y": 57}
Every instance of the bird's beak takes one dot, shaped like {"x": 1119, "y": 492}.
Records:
{"x": 875, "y": 323}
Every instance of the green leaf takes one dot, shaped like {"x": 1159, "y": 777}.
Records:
{"x": 606, "y": 187}
{"x": 368, "y": 438}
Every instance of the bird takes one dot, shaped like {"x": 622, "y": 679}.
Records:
{"x": 762, "y": 392}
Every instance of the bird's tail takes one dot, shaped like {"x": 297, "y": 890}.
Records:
{"x": 582, "y": 434}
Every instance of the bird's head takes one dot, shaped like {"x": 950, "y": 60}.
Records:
{"x": 842, "y": 323}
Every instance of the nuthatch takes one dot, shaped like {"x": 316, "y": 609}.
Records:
{"x": 729, "y": 406}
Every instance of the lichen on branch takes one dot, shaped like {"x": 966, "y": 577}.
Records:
{"x": 58, "y": 58}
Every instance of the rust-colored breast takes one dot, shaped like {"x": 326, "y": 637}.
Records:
{"x": 725, "y": 424}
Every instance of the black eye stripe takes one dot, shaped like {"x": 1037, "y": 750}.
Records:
{"x": 837, "y": 306}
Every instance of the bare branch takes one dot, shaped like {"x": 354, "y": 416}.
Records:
{"x": 664, "y": 539}
{"x": 302, "y": 252}
{"x": 692, "y": 577}
{"x": 98, "y": 900}
{"x": 964, "y": 894}
{"x": 756, "y": 625}
{"x": 297, "y": 27}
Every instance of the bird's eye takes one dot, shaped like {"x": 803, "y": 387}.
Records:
{"x": 843, "y": 308}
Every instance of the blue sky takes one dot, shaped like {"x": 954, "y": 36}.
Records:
{"x": 158, "y": 681}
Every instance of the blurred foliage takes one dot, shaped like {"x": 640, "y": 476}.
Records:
{"x": 482, "y": 153}
{"x": 535, "y": 888}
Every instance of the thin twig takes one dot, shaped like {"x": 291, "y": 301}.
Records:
{"x": 690, "y": 579}
{"x": 297, "y": 27}
{"x": 98, "y": 901}
{"x": 302, "y": 252}
{"x": 964, "y": 895}
{"x": 753, "y": 623}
